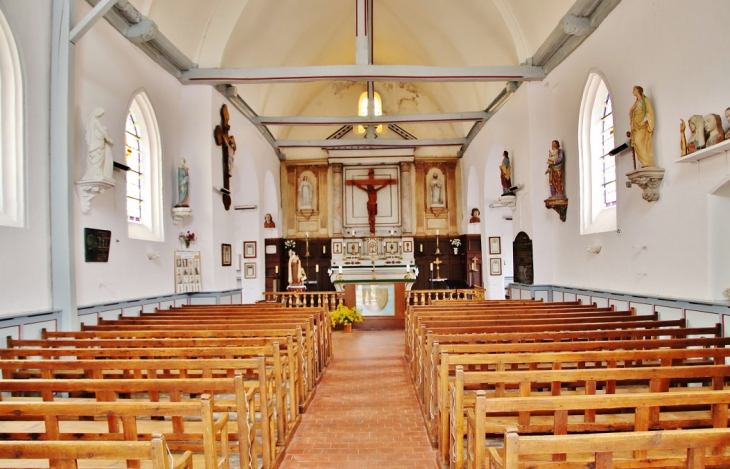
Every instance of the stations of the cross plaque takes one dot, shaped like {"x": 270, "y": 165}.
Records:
{"x": 371, "y": 186}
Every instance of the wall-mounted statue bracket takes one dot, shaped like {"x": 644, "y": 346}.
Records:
{"x": 648, "y": 179}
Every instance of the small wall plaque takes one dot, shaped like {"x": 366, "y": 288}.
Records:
{"x": 96, "y": 245}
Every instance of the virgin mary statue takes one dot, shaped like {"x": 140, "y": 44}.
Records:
{"x": 99, "y": 161}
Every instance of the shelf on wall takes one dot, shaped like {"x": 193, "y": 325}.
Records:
{"x": 721, "y": 147}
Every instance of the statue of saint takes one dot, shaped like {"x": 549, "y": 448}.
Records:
{"x": 641, "y": 116}
{"x": 182, "y": 184}
{"x": 296, "y": 273}
{"x": 713, "y": 126}
{"x": 99, "y": 161}
{"x": 305, "y": 194}
{"x": 475, "y": 215}
{"x": 268, "y": 222}
{"x": 556, "y": 170}
{"x": 506, "y": 174}
{"x": 727, "y": 116}
{"x": 436, "y": 186}
{"x": 682, "y": 138}
{"x": 697, "y": 138}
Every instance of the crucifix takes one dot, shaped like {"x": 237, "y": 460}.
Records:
{"x": 228, "y": 145}
{"x": 369, "y": 186}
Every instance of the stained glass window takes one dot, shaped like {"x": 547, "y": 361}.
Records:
{"x": 608, "y": 162}
{"x": 135, "y": 176}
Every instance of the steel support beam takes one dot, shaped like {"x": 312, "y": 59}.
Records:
{"x": 409, "y": 73}
{"x": 371, "y": 143}
{"x": 375, "y": 120}
{"x": 90, "y": 20}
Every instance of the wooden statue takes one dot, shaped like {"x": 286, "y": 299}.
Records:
{"x": 642, "y": 128}
{"x": 369, "y": 186}
{"x": 228, "y": 144}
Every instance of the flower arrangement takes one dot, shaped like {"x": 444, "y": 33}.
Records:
{"x": 344, "y": 315}
{"x": 187, "y": 238}
{"x": 456, "y": 242}
{"x": 290, "y": 244}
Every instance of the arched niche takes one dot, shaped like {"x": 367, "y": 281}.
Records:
{"x": 312, "y": 180}
{"x": 522, "y": 254}
{"x": 435, "y": 188}
{"x": 718, "y": 233}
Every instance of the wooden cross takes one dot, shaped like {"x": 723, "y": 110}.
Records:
{"x": 368, "y": 185}
{"x": 228, "y": 144}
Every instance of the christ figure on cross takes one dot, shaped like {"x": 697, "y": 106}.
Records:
{"x": 371, "y": 186}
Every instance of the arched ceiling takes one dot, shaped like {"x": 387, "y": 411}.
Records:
{"x": 294, "y": 33}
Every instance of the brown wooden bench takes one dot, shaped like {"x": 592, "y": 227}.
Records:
{"x": 54, "y": 421}
{"x": 593, "y": 414}
{"x": 67, "y": 454}
{"x": 685, "y": 448}
{"x": 255, "y": 394}
{"x": 558, "y": 382}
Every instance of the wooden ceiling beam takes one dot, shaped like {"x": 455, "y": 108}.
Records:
{"x": 380, "y": 73}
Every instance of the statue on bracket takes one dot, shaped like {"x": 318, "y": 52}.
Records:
{"x": 228, "y": 146}
{"x": 727, "y": 116}
{"x": 182, "y": 210}
{"x": 436, "y": 191}
{"x": 268, "y": 222}
{"x": 99, "y": 160}
{"x": 505, "y": 175}
{"x": 556, "y": 178}
{"x": 305, "y": 194}
{"x": 647, "y": 176}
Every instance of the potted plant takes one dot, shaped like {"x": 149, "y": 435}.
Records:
{"x": 345, "y": 316}
{"x": 455, "y": 243}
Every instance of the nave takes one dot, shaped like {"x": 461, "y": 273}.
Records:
{"x": 365, "y": 413}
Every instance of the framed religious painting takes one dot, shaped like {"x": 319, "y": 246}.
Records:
{"x": 249, "y": 249}
{"x": 495, "y": 245}
{"x": 407, "y": 246}
{"x": 249, "y": 270}
{"x": 495, "y": 266}
{"x": 336, "y": 247}
{"x": 225, "y": 255}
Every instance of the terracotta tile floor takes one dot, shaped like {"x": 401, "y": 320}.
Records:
{"x": 365, "y": 413}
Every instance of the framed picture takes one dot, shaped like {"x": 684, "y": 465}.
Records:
{"x": 407, "y": 246}
{"x": 225, "y": 255}
{"x": 336, "y": 247}
{"x": 249, "y": 249}
{"x": 187, "y": 271}
{"x": 495, "y": 245}
{"x": 249, "y": 270}
{"x": 495, "y": 265}
{"x": 96, "y": 245}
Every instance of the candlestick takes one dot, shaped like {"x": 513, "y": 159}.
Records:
{"x": 316, "y": 268}
{"x": 431, "y": 266}
{"x": 437, "y": 232}
{"x": 307, "y": 234}
{"x": 277, "y": 269}
{"x": 340, "y": 269}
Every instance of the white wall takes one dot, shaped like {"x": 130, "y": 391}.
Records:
{"x": 25, "y": 275}
{"x": 660, "y": 46}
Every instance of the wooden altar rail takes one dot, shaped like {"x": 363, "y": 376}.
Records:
{"x": 425, "y": 297}
{"x": 327, "y": 300}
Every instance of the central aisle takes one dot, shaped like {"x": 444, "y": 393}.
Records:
{"x": 365, "y": 413}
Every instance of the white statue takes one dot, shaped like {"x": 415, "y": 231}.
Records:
{"x": 697, "y": 140}
{"x": 99, "y": 161}
{"x": 436, "y": 186}
{"x": 305, "y": 194}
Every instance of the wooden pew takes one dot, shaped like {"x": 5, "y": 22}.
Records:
{"x": 280, "y": 374}
{"x": 241, "y": 430}
{"x": 688, "y": 447}
{"x": 52, "y": 421}
{"x": 593, "y": 414}
{"x": 67, "y": 454}
{"x": 254, "y": 395}
{"x": 656, "y": 379}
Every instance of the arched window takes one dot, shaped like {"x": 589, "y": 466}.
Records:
{"x": 12, "y": 122}
{"x": 597, "y": 166}
{"x": 144, "y": 182}
{"x": 362, "y": 110}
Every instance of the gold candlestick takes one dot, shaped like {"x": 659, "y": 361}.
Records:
{"x": 438, "y": 263}
{"x": 438, "y": 251}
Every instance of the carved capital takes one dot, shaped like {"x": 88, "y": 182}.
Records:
{"x": 180, "y": 213}
{"x": 648, "y": 179}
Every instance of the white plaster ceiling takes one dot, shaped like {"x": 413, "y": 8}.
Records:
{"x": 288, "y": 33}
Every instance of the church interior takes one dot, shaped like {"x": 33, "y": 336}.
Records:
{"x": 505, "y": 199}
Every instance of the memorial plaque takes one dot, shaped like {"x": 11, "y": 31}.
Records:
{"x": 96, "y": 245}
{"x": 522, "y": 253}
